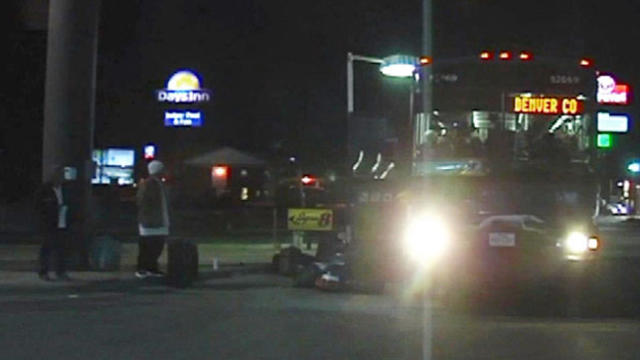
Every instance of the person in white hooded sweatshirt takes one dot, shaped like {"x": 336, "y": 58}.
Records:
{"x": 153, "y": 221}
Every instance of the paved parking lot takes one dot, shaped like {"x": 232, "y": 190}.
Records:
{"x": 263, "y": 317}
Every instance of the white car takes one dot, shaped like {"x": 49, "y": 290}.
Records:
{"x": 617, "y": 209}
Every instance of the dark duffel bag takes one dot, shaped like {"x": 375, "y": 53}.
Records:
{"x": 291, "y": 260}
{"x": 182, "y": 267}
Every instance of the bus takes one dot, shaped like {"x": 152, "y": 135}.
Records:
{"x": 503, "y": 168}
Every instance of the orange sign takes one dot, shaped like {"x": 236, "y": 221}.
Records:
{"x": 547, "y": 105}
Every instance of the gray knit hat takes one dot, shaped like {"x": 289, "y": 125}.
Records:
{"x": 155, "y": 167}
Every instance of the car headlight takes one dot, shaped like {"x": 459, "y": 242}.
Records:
{"x": 427, "y": 237}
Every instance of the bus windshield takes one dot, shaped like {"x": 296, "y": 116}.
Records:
{"x": 518, "y": 136}
{"x": 495, "y": 116}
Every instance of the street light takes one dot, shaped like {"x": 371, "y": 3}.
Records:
{"x": 399, "y": 66}
{"x": 393, "y": 66}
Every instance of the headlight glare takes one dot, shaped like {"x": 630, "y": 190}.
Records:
{"x": 426, "y": 238}
{"x": 577, "y": 242}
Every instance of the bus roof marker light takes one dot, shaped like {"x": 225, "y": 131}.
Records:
{"x": 526, "y": 56}
{"x": 584, "y": 62}
{"x": 505, "y": 55}
{"x": 486, "y": 55}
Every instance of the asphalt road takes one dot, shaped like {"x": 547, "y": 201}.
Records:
{"x": 621, "y": 237}
{"x": 263, "y": 317}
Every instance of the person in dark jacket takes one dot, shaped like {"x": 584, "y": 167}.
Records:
{"x": 153, "y": 221}
{"x": 54, "y": 220}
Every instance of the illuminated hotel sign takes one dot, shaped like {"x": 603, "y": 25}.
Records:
{"x": 183, "y": 87}
{"x": 180, "y": 98}
{"x": 548, "y": 105}
{"x": 187, "y": 118}
{"x": 612, "y": 93}
{"x": 613, "y": 122}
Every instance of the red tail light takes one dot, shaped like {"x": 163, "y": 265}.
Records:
{"x": 308, "y": 180}
{"x": 505, "y": 55}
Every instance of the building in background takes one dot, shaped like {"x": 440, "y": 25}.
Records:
{"x": 224, "y": 174}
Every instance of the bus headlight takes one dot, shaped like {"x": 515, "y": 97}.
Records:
{"x": 577, "y": 243}
{"x": 426, "y": 239}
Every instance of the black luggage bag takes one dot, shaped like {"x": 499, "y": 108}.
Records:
{"x": 182, "y": 264}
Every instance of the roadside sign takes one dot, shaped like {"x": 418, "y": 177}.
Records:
{"x": 310, "y": 219}
{"x": 604, "y": 141}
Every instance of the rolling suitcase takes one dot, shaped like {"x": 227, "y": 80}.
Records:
{"x": 182, "y": 267}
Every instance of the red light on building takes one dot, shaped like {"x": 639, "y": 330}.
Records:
{"x": 149, "y": 151}
{"x": 308, "y": 180}
{"x": 220, "y": 171}
{"x": 486, "y": 55}
{"x": 426, "y": 60}
{"x": 525, "y": 56}
{"x": 586, "y": 62}
{"x": 505, "y": 55}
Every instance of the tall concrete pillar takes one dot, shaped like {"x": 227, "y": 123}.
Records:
{"x": 69, "y": 107}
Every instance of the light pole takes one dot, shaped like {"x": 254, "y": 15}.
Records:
{"x": 399, "y": 66}
{"x": 350, "y": 59}
{"x": 394, "y": 66}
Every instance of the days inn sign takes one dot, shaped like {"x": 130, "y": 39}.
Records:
{"x": 183, "y": 87}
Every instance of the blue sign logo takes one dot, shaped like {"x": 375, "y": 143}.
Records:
{"x": 183, "y": 118}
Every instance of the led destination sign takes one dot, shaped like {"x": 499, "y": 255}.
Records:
{"x": 547, "y": 105}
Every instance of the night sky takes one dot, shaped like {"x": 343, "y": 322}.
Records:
{"x": 277, "y": 72}
{"x": 277, "y": 68}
